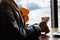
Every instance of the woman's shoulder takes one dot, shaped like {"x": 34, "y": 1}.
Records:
{"x": 4, "y": 4}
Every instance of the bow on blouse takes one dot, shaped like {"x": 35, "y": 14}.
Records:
{"x": 24, "y": 13}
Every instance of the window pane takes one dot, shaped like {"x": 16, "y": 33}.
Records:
{"x": 59, "y": 15}
{"x": 38, "y": 9}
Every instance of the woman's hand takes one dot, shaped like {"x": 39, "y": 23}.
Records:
{"x": 43, "y": 25}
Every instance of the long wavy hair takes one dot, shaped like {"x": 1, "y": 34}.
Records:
{"x": 11, "y": 1}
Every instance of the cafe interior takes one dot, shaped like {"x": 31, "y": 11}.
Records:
{"x": 35, "y": 10}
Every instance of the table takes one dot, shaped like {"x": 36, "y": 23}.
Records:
{"x": 49, "y": 36}
{"x": 46, "y": 37}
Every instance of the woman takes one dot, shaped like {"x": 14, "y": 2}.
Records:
{"x": 11, "y": 23}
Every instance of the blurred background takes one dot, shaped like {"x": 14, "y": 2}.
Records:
{"x": 39, "y": 9}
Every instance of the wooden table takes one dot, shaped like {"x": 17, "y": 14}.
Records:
{"x": 49, "y": 36}
{"x": 46, "y": 37}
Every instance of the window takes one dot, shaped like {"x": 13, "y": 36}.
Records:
{"x": 38, "y": 9}
{"x": 58, "y": 15}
